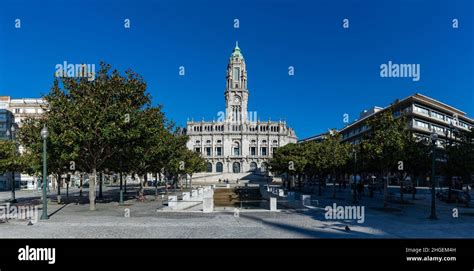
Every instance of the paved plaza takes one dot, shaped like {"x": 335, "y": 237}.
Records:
{"x": 149, "y": 220}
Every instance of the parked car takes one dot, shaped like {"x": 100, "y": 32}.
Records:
{"x": 458, "y": 196}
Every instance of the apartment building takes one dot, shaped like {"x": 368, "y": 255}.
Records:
{"x": 424, "y": 115}
{"x": 12, "y": 113}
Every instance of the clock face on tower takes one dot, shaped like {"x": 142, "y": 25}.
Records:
{"x": 236, "y": 99}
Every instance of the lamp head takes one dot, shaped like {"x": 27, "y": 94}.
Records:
{"x": 44, "y": 132}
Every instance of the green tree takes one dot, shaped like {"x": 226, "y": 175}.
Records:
{"x": 417, "y": 162}
{"x": 290, "y": 160}
{"x": 11, "y": 160}
{"x": 386, "y": 142}
{"x": 91, "y": 117}
{"x": 336, "y": 155}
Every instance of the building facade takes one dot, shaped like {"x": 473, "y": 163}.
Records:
{"x": 12, "y": 113}
{"x": 236, "y": 142}
{"x": 424, "y": 115}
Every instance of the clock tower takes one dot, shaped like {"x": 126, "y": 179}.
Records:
{"x": 236, "y": 92}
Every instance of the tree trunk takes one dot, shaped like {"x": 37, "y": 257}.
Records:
{"x": 401, "y": 189}
{"x": 334, "y": 185}
{"x": 59, "y": 179}
{"x": 125, "y": 185}
{"x": 92, "y": 187}
{"x": 468, "y": 203}
{"x": 121, "y": 180}
{"x": 191, "y": 181}
{"x": 53, "y": 182}
{"x": 80, "y": 185}
{"x": 319, "y": 187}
{"x": 67, "y": 185}
{"x": 100, "y": 184}
{"x": 156, "y": 185}
{"x": 385, "y": 191}
{"x": 338, "y": 177}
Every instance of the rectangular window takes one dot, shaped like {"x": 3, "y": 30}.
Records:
{"x": 437, "y": 128}
{"x": 253, "y": 151}
{"x": 421, "y": 110}
{"x": 198, "y": 150}
{"x": 208, "y": 151}
{"x": 219, "y": 151}
{"x": 421, "y": 124}
{"x": 437, "y": 115}
{"x": 264, "y": 151}
{"x": 236, "y": 75}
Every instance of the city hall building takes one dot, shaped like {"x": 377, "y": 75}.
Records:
{"x": 236, "y": 142}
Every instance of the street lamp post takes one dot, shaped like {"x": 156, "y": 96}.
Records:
{"x": 11, "y": 137}
{"x": 434, "y": 138}
{"x": 121, "y": 182}
{"x": 44, "y": 136}
{"x": 355, "y": 173}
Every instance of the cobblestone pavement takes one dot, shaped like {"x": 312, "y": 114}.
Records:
{"x": 144, "y": 220}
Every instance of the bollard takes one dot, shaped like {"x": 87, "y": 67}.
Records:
{"x": 186, "y": 196}
{"x": 207, "y": 205}
{"x": 306, "y": 200}
{"x": 273, "y": 204}
{"x": 172, "y": 201}
{"x": 281, "y": 192}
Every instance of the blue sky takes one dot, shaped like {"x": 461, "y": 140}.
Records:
{"x": 337, "y": 70}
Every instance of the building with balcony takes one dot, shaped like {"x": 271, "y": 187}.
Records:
{"x": 12, "y": 113}
{"x": 424, "y": 115}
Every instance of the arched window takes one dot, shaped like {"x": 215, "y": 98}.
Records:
{"x": 198, "y": 142}
{"x": 208, "y": 142}
{"x": 236, "y": 167}
{"x": 236, "y": 147}
{"x": 209, "y": 167}
{"x": 219, "y": 167}
{"x": 219, "y": 141}
{"x": 253, "y": 166}
{"x": 236, "y": 74}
